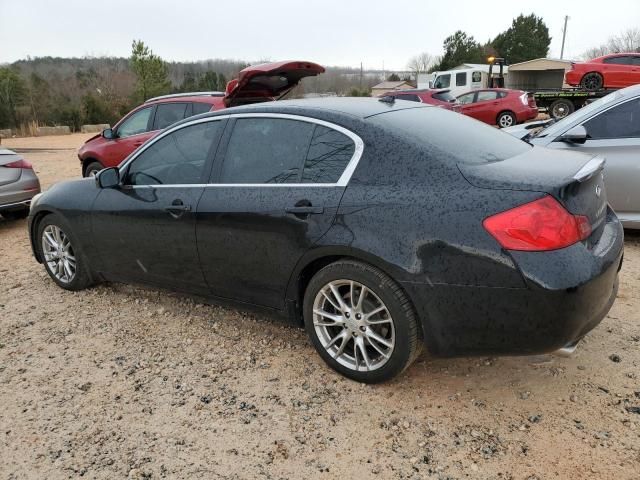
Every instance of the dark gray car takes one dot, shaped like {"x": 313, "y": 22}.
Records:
{"x": 610, "y": 128}
{"x": 18, "y": 184}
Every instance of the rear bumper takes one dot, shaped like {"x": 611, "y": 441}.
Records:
{"x": 17, "y": 195}
{"x": 568, "y": 293}
{"x": 529, "y": 113}
{"x": 572, "y": 78}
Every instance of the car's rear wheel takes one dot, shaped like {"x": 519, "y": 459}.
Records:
{"x": 506, "y": 119}
{"x": 92, "y": 168}
{"x": 15, "y": 214}
{"x": 361, "y": 322}
{"x": 561, "y": 108}
{"x": 592, "y": 81}
{"x": 60, "y": 254}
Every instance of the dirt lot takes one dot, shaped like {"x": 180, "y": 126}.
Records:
{"x": 122, "y": 381}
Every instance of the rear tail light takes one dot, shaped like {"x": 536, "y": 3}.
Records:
{"x": 532, "y": 100}
{"x": 538, "y": 226}
{"x": 19, "y": 164}
{"x": 524, "y": 98}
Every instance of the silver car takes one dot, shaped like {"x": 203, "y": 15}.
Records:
{"x": 609, "y": 127}
{"x": 18, "y": 185}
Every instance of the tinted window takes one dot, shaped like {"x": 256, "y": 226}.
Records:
{"x": 461, "y": 79}
{"x": 169, "y": 113}
{"x": 199, "y": 108}
{"x": 329, "y": 154}
{"x": 177, "y": 158}
{"x": 443, "y": 81}
{"x": 466, "y": 98}
{"x": 622, "y": 121}
{"x": 135, "y": 124}
{"x": 266, "y": 150}
{"x": 635, "y": 61}
{"x": 444, "y": 97}
{"x": 618, "y": 60}
{"x": 438, "y": 132}
{"x": 484, "y": 96}
{"x": 476, "y": 77}
{"x": 408, "y": 96}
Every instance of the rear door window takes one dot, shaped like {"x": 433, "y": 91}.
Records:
{"x": 169, "y": 113}
{"x": 485, "y": 96}
{"x": 466, "y": 98}
{"x": 199, "y": 108}
{"x": 461, "y": 79}
{"x": 622, "y": 60}
{"x": 266, "y": 150}
{"x": 329, "y": 154}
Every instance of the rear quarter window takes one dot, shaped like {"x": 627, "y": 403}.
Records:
{"x": 450, "y": 137}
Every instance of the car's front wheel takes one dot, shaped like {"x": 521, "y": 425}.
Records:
{"x": 61, "y": 255}
{"x": 361, "y": 322}
{"x": 92, "y": 168}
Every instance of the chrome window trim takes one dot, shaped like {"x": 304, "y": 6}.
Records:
{"x": 342, "y": 181}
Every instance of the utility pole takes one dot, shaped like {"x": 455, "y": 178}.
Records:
{"x": 564, "y": 34}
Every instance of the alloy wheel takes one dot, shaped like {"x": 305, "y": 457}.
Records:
{"x": 353, "y": 325}
{"x": 58, "y": 253}
{"x": 505, "y": 121}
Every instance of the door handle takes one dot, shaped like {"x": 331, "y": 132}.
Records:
{"x": 305, "y": 210}
{"x": 305, "y": 207}
{"x": 177, "y": 208}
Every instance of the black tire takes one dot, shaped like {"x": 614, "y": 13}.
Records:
{"x": 561, "y": 108}
{"x": 82, "y": 278}
{"x": 592, "y": 81}
{"x": 92, "y": 168}
{"x": 408, "y": 340}
{"x": 15, "y": 214}
{"x": 506, "y": 119}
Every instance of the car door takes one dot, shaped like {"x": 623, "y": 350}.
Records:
{"x": 130, "y": 133}
{"x": 615, "y": 135}
{"x": 617, "y": 72}
{"x": 275, "y": 190}
{"x": 144, "y": 230}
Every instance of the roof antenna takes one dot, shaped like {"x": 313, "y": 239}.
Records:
{"x": 390, "y": 99}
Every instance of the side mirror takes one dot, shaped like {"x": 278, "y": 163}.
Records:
{"x": 577, "y": 134}
{"x": 108, "y": 178}
{"x": 108, "y": 134}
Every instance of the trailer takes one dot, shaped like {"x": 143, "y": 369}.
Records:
{"x": 560, "y": 102}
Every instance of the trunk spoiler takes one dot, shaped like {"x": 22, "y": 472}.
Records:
{"x": 589, "y": 169}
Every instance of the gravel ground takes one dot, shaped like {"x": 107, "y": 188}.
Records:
{"x": 121, "y": 381}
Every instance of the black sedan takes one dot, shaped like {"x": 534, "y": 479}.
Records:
{"x": 380, "y": 226}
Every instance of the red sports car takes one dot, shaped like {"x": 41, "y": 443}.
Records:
{"x": 440, "y": 97}
{"x": 618, "y": 70}
{"x": 257, "y": 83}
{"x": 498, "y": 106}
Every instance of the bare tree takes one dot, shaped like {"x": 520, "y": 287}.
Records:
{"x": 628, "y": 41}
{"x": 420, "y": 63}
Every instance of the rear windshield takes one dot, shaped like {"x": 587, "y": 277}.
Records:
{"x": 452, "y": 137}
{"x": 444, "y": 97}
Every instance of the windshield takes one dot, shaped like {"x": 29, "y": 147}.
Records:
{"x": 579, "y": 115}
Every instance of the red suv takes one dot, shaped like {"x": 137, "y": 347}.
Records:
{"x": 618, "y": 70}
{"x": 440, "y": 97}
{"x": 258, "y": 83}
{"x": 498, "y": 106}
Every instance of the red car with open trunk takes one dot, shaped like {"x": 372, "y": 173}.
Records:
{"x": 257, "y": 83}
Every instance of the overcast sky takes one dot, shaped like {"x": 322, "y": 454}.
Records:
{"x": 330, "y": 32}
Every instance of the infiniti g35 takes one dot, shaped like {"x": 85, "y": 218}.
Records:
{"x": 379, "y": 226}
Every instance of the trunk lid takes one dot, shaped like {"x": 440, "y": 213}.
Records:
{"x": 574, "y": 179}
{"x": 265, "y": 82}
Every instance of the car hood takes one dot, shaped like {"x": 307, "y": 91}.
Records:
{"x": 264, "y": 82}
